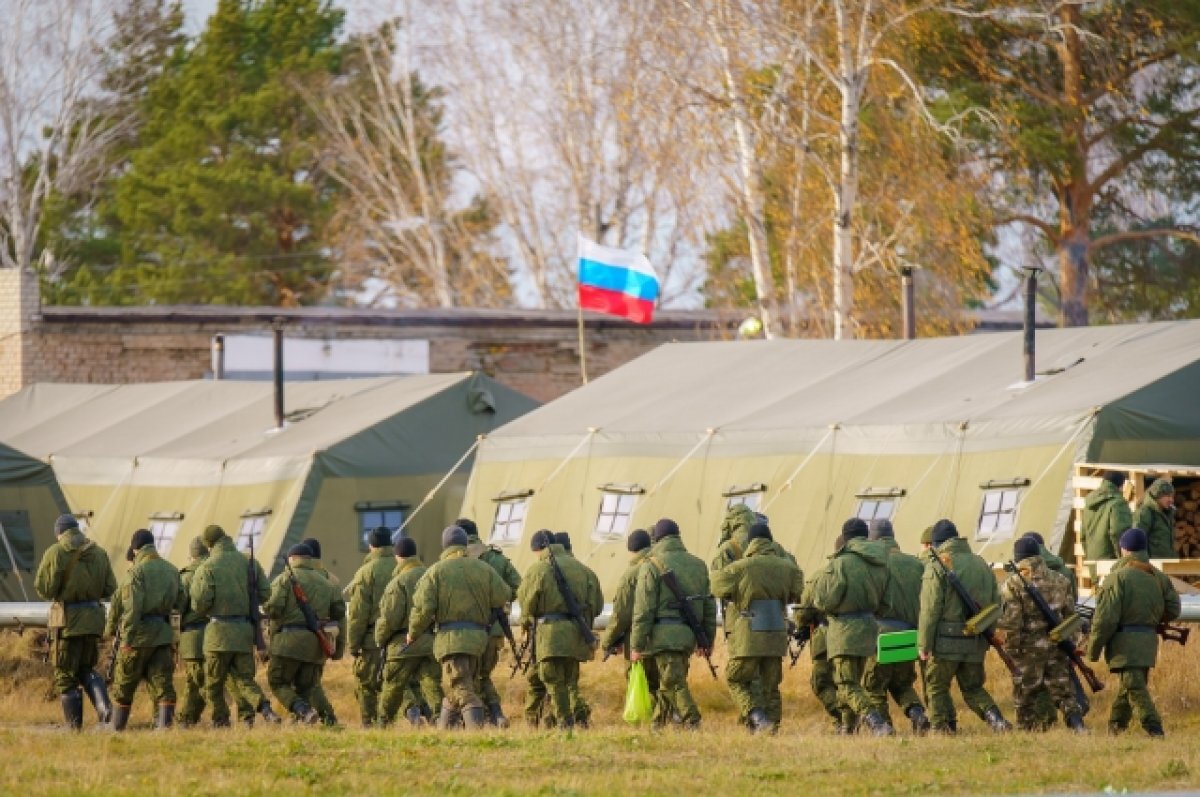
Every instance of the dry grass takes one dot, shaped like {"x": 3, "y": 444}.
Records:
{"x": 42, "y": 759}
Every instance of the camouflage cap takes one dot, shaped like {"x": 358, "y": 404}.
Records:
{"x": 212, "y": 535}
{"x": 927, "y": 536}
{"x": 1161, "y": 487}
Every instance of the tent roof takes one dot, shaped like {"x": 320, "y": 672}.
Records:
{"x": 765, "y": 386}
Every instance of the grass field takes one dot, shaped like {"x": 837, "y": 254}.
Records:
{"x": 41, "y": 758}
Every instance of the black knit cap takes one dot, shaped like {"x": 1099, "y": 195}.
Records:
{"x": 380, "y": 537}
{"x": 1026, "y": 547}
{"x": 406, "y": 547}
{"x": 759, "y": 531}
{"x": 665, "y": 528}
{"x": 881, "y": 528}
{"x": 467, "y": 525}
{"x": 854, "y": 527}
{"x": 639, "y": 540}
{"x": 563, "y": 539}
{"x": 65, "y": 523}
{"x": 140, "y": 539}
{"x": 1133, "y": 540}
{"x": 1035, "y": 535}
{"x": 1115, "y": 478}
{"x": 541, "y": 540}
{"x": 943, "y": 530}
{"x": 314, "y": 545}
{"x": 300, "y": 549}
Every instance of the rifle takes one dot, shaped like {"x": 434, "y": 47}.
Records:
{"x": 520, "y": 663}
{"x": 689, "y": 617}
{"x": 311, "y": 621}
{"x": 573, "y": 607}
{"x": 971, "y": 609}
{"x": 501, "y": 617}
{"x": 612, "y": 649}
{"x": 800, "y": 634}
{"x": 1174, "y": 633}
{"x": 1053, "y": 621}
{"x": 255, "y": 610}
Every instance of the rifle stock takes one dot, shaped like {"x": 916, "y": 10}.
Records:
{"x": 520, "y": 663}
{"x": 970, "y": 608}
{"x": 111, "y": 673}
{"x": 1174, "y": 633}
{"x": 689, "y": 617}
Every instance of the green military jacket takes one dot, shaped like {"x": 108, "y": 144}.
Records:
{"x": 558, "y": 636}
{"x": 1159, "y": 526}
{"x": 116, "y": 608}
{"x": 760, "y": 575}
{"x": 150, "y": 593}
{"x": 457, "y": 593}
{"x": 392, "y": 626}
{"x": 477, "y": 549}
{"x": 901, "y": 609}
{"x": 1133, "y": 599}
{"x": 851, "y": 595}
{"x": 657, "y": 624}
{"x": 1106, "y": 516}
{"x": 940, "y": 630}
{"x": 617, "y": 632}
{"x": 290, "y": 637}
{"x": 1057, "y": 564}
{"x": 92, "y": 581}
{"x": 220, "y": 591}
{"x": 1024, "y": 626}
{"x": 735, "y": 531}
{"x": 365, "y": 593}
{"x": 192, "y": 622}
{"x": 808, "y": 614}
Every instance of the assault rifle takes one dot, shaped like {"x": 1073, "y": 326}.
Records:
{"x": 260, "y": 643}
{"x": 1054, "y": 622}
{"x": 311, "y": 621}
{"x": 972, "y": 610}
{"x": 573, "y": 607}
{"x": 800, "y": 634}
{"x": 1168, "y": 632}
{"x": 501, "y": 616}
{"x": 520, "y": 662}
{"x": 689, "y": 618}
{"x": 614, "y": 647}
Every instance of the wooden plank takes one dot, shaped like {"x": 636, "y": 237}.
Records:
{"x": 1079, "y": 502}
{"x": 1086, "y": 482}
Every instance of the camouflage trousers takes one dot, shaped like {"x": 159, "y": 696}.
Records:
{"x": 408, "y": 682}
{"x": 535, "y": 700}
{"x": 292, "y": 681}
{"x": 238, "y": 669}
{"x": 320, "y": 701}
{"x": 460, "y": 675}
{"x": 155, "y": 666}
{"x": 366, "y": 692}
{"x": 487, "y": 664}
{"x": 74, "y": 658}
{"x": 897, "y": 680}
{"x": 1041, "y": 670}
{"x": 673, "y": 692}
{"x": 824, "y": 687}
{"x": 754, "y": 683}
{"x": 560, "y": 677}
{"x": 192, "y": 702}
{"x": 940, "y": 674}
{"x": 1133, "y": 698}
{"x": 848, "y": 675}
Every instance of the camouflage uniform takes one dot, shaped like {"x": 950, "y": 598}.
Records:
{"x": 416, "y": 666}
{"x": 758, "y": 588}
{"x": 74, "y": 647}
{"x": 458, "y": 593}
{"x": 493, "y": 556}
{"x": 1157, "y": 522}
{"x": 900, "y": 611}
{"x": 1027, "y": 640}
{"x": 149, "y": 594}
{"x": 296, "y": 655}
{"x": 1047, "y": 714}
{"x": 658, "y": 631}
{"x": 821, "y": 680}
{"x": 365, "y": 593}
{"x": 1133, "y": 600}
{"x": 319, "y": 699}
{"x": 1105, "y": 517}
{"x": 619, "y": 625}
{"x": 560, "y": 644}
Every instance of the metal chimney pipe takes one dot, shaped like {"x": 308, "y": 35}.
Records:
{"x": 1030, "y": 323}
{"x": 218, "y": 356}
{"x": 910, "y": 320}
{"x": 277, "y": 329}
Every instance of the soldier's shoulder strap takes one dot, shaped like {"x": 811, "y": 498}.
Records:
{"x": 71, "y": 566}
{"x": 657, "y": 564}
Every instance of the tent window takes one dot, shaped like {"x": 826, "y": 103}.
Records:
{"x": 19, "y": 534}
{"x": 998, "y": 514}
{"x": 876, "y": 509}
{"x": 164, "y": 526}
{"x": 509, "y": 523}
{"x": 372, "y": 516}
{"x": 613, "y": 519}
{"x": 252, "y": 528}
{"x": 749, "y": 500}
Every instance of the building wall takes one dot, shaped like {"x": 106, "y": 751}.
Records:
{"x": 18, "y": 311}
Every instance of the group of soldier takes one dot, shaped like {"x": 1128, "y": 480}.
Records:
{"x": 426, "y": 639}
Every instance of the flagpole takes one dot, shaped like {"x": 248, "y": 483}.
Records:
{"x": 582, "y": 346}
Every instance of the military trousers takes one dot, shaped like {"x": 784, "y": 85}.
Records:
{"x": 1041, "y": 670}
{"x": 460, "y": 674}
{"x": 366, "y": 691}
{"x": 848, "y": 675}
{"x": 754, "y": 683}
{"x": 1133, "y": 699}
{"x": 897, "y": 680}
{"x": 824, "y": 687}
{"x": 535, "y": 698}
{"x": 192, "y": 699}
{"x": 559, "y": 674}
{"x": 673, "y": 692}
{"x": 155, "y": 666}
{"x": 238, "y": 669}
{"x": 407, "y": 682}
{"x": 292, "y": 681}
{"x": 940, "y": 674}
{"x": 320, "y": 701}
{"x": 487, "y": 664}
{"x": 74, "y": 658}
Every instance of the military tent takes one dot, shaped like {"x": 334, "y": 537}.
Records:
{"x": 174, "y": 457}
{"x": 29, "y": 502}
{"x": 811, "y": 432}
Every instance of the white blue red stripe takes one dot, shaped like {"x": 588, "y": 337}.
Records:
{"x": 617, "y": 282}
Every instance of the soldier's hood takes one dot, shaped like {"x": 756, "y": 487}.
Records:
{"x": 1051, "y": 560}
{"x": 144, "y": 553}
{"x": 761, "y": 547}
{"x": 1102, "y": 495}
{"x": 304, "y": 563}
{"x": 866, "y": 550}
{"x": 1034, "y": 565}
{"x": 737, "y": 523}
{"x": 73, "y": 540}
{"x": 669, "y": 543}
{"x": 453, "y": 551}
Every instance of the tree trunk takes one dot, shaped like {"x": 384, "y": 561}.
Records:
{"x": 846, "y": 195}
{"x": 1075, "y": 197}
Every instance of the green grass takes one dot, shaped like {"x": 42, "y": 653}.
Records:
{"x": 40, "y": 758}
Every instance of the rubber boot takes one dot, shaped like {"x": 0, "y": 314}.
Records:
{"x": 120, "y": 717}
{"x": 413, "y": 715}
{"x": 268, "y": 713}
{"x": 1074, "y": 721}
{"x": 475, "y": 718}
{"x": 496, "y": 715}
{"x": 220, "y": 723}
{"x": 72, "y": 707}
{"x": 1116, "y": 728}
{"x": 448, "y": 719}
{"x": 305, "y": 713}
{"x": 946, "y": 728}
{"x": 759, "y": 722}
{"x": 920, "y": 722}
{"x": 996, "y": 721}
{"x": 878, "y": 725}
{"x": 1153, "y": 729}
{"x": 97, "y": 692}
{"x": 166, "y": 716}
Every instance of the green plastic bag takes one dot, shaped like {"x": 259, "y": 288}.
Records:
{"x": 638, "y": 706}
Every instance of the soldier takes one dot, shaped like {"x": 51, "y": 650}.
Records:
{"x": 1027, "y": 638}
{"x": 1047, "y": 714}
{"x": 759, "y": 587}
{"x": 296, "y": 654}
{"x": 75, "y": 575}
{"x": 821, "y": 678}
{"x": 460, "y": 594}
{"x": 950, "y": 655}
{"x": 1105, "y": 517}
{"x": 1156, "y": 517}
{"x": 477, "y": 549}
{"x": 616, "y": 635}
{"x": 850, "y": 595}
{"x": 579, "y": 707}
{"x": 365, "y": 593}
{"x": 900, "y": 612}
{"x": 220, "y": 591}
{"x": 149, "y": 594}
{"x": 410, "y": 665}
{"x": 926, "y": 552}
{"x": 560, "y": 643}
{"x": 659, "y": 632}
{"x": 319, "y": 699}
{"x": 1132, "y": 602}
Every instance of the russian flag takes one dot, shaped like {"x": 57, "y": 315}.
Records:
{"x": 616, "y": 281}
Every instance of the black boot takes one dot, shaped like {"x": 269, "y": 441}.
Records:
{"x": 305, "y": 713}
{"x": 268, "y": 713}
{"x": 166, "y": 716}
{"x": 413, "y": 715}
{"x": 878, "y": 725}
{"x": 1074, "y": 721}
{"x": 474, "y": 718}
{"x": 120, "y": 717}
{"x": 496, "y": 715}
{"x": 759, "y": 722}
{"x": 1116, "y": 728}
{"x": 72, "y": 707}
{"x": 920, "y": 722}
{"x": 448, "y": 719}
{"x": 946, "y": 728}
{"x": 221, "y": 723}
{"x": 1153, "y": 729}
{"x": 996, "y": 721}
{"x": 97, "y": 692}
